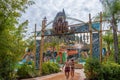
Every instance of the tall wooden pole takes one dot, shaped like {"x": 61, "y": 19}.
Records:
{"x": 100, "y": 36}
{"x": 35, "y": 44}
{"x": 115, "y": 38}
{"x": 42, "y": 43}
{"x": 90, "y": 29}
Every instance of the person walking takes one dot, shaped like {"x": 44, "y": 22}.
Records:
{"x": 28, "y": 57}
{"x": 67, "y": 69}
{"x": 72, "y": 70}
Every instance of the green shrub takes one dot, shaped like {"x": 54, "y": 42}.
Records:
{"x": 56, "y": 67}
{"x": 45, "y": 69}
{"x": 7, "y": 66}
{"x": 111, "y": 71}
{"x": 105, "y": 71}
{"x": 26, "y": 71}
{"x": 50, "y": 67}
{"x": 93, "y": 69}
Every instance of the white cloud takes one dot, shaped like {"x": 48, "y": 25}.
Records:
{"x": 74, "y": 8}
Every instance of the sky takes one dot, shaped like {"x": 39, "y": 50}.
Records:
{"x": 78, "y": 9}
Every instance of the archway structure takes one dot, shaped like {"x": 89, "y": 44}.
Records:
{"x": 61, "y": 27}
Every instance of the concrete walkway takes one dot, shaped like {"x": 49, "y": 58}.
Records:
{"x": 79, "y": 75}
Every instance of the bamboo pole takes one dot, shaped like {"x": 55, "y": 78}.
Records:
{"x": 100, "y": 37}
{"x": 35, "y": 45}
{"x": 90, "y": 29}
{"x": 42, "y": 43}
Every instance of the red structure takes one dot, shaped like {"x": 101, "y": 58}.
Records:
{"x": 72, "y": 52}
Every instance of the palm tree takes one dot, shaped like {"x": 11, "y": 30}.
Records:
{"x": 52, "y": 42}
{"x": 108, "y": 40}
{"x": 112, "y": 9}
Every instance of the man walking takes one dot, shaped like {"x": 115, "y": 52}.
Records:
{"x": 67, "y": 69}
{"x": 72, "y": 68}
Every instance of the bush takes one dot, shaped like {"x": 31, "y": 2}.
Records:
{"x": 45, "y": 69}
{"x": 49, "y": 67}
{"x": 7, "y": 66}
{"x": 111, "y": 71}
{"x": 93, "y": 69}
{"x": 105, "y": 71}
{"x": 26, "y": 71}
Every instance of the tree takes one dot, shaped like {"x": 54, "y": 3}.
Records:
{"x": 52, "y": 43}
{"x": 11, "y": 36}
{"x": 112, "y": 10}
{"x": 108, "y": 40}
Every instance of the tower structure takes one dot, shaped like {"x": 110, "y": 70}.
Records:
{"x": 60, "y": 25}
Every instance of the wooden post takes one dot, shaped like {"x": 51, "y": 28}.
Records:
{"x": 100, "y": 36}
{"x": 90, "y": 29}
{"x": 35, "y": 45}
{"x": 42, "y": 43}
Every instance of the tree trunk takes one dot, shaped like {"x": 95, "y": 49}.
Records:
{"x": 53, "y": 54}
{"x": 114, "y": 27}
{"x": 108, "y": 48}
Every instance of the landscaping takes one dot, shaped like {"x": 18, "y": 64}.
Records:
{"x": 85, "y": 36}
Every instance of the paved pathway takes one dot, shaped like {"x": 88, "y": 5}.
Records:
{"x": 79, "y": 75}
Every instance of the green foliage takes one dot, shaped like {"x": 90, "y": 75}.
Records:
{"x": 93, "y": 69}
{"x": 7, "y": 68}
{"x": 11, "y": 36}
{"x": 108, "y": 38}
{"x": 112, "y": 10}
{"x": 111, "y": 6}
{"x": 45, "y": 69}
{"x": 49, "y": 67}
{"x": 111, "y": 71}
{"x": 26, "y": 71}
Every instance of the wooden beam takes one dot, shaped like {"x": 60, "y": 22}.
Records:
{"x": 35, "y": 44}
{"x": 42, "y": 44}
{"x": 100, "y": 36}
{"x": 90, "y": 29}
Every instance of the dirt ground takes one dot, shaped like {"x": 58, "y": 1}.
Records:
{"x": 79, "y": 75}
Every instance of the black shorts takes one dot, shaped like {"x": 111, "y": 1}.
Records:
{"x": 67, "y": 69}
